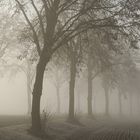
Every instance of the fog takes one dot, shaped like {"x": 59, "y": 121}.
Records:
{"x": 70, "y": 69}
{"x": 14, "y": 99}
{"x": 13, "y": 95}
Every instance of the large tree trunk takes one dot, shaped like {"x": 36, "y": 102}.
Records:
{"x": 89, "y": 99}
{"x": 37, "y": 92}
{"x": 106, "y": 101}
{"x": 72, "y": 84}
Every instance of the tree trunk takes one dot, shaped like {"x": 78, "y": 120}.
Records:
{"x": 120, "y": 103}
{"x": 138, "y": 103}
{"x": 37, "y": 92}
{"x": 29, "y": 96}
{"x": 89, "y": 99}
{"x": 89, "y": 96}
{"x": 131, "y": 104}
{"x": 94, "y": 103}
{"x": 72, "y": 84}
{"x": 58, "y": 98}
{"x": 106, "y": 101}
{"x": 78, "y": 102}
{"x": 29, "y": 89}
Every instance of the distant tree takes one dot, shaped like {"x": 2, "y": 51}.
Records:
{"x": 75, "y": 56}
{"x": 117, "y": 77}
{"x": 9, "y": 49}
{"x": 100, "y": 57}
{"x": 24, "y": 67}
{"x": 58, "y": 75}
{"x": 9, "y": 44}
{"x": 71, "y": 59}
{"x": 28, "y": 58}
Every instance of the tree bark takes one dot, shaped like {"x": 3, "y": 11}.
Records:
{"x": 37, "y": 92}
{"x": 72, "y": 84}
{"x": 89, "y": 99}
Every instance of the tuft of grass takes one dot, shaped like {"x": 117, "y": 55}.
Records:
{"x": 46, "y": 117}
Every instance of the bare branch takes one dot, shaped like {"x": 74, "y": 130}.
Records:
{"x": 31, "y": 26}
{"x": 40, "y": 19}
{"x": 66, "y": 5}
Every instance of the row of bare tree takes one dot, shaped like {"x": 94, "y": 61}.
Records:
{"x": 94, "y": 33}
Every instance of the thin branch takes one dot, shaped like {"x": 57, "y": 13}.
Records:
{"x": 40, "y": 19}
{"x": 31, "y": 26}
{"x": 65, "y": 6}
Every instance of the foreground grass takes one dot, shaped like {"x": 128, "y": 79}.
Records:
{"x": 59, "y": 129}
{"x": 54, "y": 130}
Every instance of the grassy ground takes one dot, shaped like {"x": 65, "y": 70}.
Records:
{"x": 59, "y": 129}
{"x": 8, "y": 120}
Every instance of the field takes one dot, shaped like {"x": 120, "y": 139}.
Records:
{"x": 15, "y": 128}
